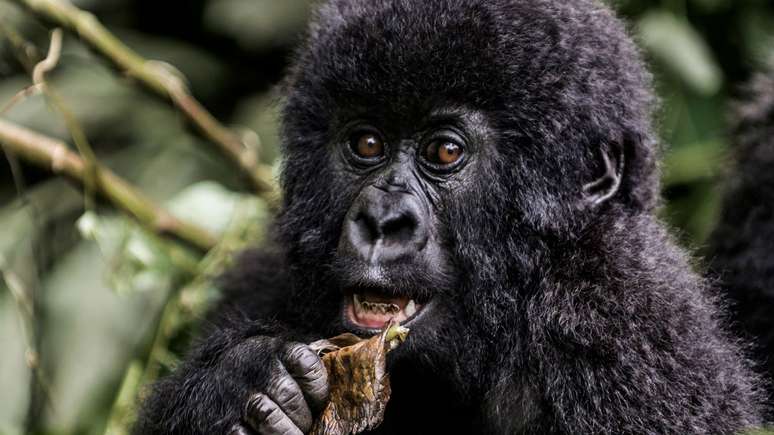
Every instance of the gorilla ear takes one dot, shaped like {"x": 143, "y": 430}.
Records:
{"x": 607, "y": 185}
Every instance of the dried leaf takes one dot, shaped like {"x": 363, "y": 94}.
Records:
{"x": 359, "y": 383}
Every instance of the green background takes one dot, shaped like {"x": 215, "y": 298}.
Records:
{"x": 94, "y": 306}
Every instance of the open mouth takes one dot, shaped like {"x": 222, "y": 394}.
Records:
{"x": 371, "y": 310}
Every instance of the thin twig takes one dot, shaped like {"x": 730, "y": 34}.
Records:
{"x": 54, "y": 155}
{"x": 162, "y": 80}
{"x": 26, "y": 304}
{"x": 71, "y": 123}
{"x": 51, "y": 59}
{"x": 19, "y": 97}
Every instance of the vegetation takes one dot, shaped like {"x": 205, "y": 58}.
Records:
{"x": 138, "y": 157}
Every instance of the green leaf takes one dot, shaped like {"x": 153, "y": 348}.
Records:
{"x": 692, "y": 163}
{"x": 676, "y": 44}
{"x": 207, "y": 204}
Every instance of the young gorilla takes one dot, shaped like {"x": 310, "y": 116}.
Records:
{"x": 742, "y": 247}
{"x": 485, "y": 171}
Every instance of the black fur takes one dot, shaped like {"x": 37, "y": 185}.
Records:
{"x": 556, "y": 317}
{"x": 742, "y": 247}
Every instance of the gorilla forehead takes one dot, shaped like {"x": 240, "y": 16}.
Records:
{"x": 530, "y": 58}
{"x": 398, "y": 56}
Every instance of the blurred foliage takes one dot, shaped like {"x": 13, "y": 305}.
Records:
{"x": 701, "y": 52}
{"x": 92, "y": 307}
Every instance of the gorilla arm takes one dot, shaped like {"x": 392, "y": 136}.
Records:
{"x": 249, "y": 373}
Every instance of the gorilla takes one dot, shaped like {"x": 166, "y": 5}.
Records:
{"x": 742, "y": 246}
{"x": 485, "y": 172}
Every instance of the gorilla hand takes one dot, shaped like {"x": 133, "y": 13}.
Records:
{"x": 238, "y": 381}
{"x": 296, "y": 385}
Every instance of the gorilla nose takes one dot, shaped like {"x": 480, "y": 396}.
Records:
{"x": 386, "y": 226}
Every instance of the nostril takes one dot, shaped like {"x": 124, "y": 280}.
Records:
{"x": 393, "y": 230}
{"x": 399, "y": 230}
{"x": 367, "y": 228}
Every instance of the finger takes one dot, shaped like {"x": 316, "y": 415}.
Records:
{"x": 238, "y": 429}
{"x": 309, "y": 371}
{"x": 266, "y": 417}
{"x": 286, "y": 393}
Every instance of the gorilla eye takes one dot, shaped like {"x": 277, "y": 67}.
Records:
{"x": 367, "y": 145}
{"x": 443, "y": 152}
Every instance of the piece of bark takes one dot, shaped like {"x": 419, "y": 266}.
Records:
{"x": 358, "y": 380}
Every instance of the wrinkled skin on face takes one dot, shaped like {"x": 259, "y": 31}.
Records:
{"x": 486, "y": 173}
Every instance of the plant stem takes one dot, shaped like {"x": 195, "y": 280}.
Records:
{"x": 396, "y": 331}
{"x": 160, "y": 78}
{"x": 54, "y": 155}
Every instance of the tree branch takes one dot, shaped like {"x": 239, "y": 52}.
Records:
{"x": 54, "y": 155}
{"x": 159, "y": 78}
{"x": 73, "y": 126}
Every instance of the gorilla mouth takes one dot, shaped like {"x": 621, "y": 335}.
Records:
{"x": 370, "y": 310}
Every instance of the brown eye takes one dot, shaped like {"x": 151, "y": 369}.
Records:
{"x": 368, "y": 146}
{"x": 443, "y": 152}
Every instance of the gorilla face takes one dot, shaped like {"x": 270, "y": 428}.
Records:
{"x": 393, "y": 258}
{"x": 438, "y": 153}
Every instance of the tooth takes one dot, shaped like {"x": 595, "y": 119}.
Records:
{"x": 357, "y": 305}
{"x": 411, "y": 308}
